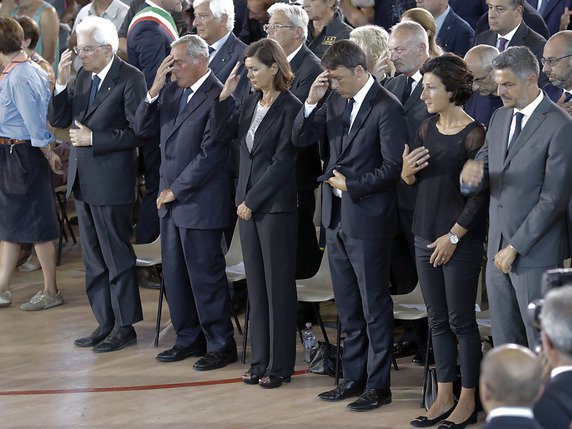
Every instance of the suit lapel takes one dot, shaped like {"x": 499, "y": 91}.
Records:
{"x": 361, "y": 116}
{"x": 532, "y": 124}
{"x": 106, "y": 86}
{"x": 519, "y": 35}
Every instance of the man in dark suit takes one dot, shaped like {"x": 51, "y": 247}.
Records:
{"x": 530, "y": 16}
{"x": 100, "y": 106}
{"x": 470, "y": 11}
{"x": 194, "y": 204}
{"x": 551, "y": 11}
{"x": 554, "y": 408}
{"x": 454, "y": 34}
{"x": 366, "y": 129}
{"x": 484, "y": 101}
{"x": 557, "y": 64}
{"x": 288, "y": 25}
{"x": 510, "y": 383}
{"x": 149, "y": 38}
{"x": 508, "y": 29}
{"x": 408, "y": 46}
{"x": 326, "y": 25}
{"x": 524, "y": 162}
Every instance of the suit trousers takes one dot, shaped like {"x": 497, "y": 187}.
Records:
{"x": 360, "y": 277}
{"x": 110, "y": 278}
{"x": 147, "y": 229}
{"x": 450, "y": 292}
{"x": 269, "y": 250}
{"x": 194, "y": 271}
{"x": 509, "y": 296}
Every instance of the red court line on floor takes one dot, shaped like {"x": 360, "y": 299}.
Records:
{"x": 127, "y": 388}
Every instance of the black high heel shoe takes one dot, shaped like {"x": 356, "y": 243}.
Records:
{"x": 425, "y": 422}
{"x": 250, "y": 378}
{"x": 272, "y": 381}
{"x": 451, "y": 425}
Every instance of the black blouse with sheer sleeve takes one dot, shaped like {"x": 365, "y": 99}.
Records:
{"x": 440, "y": 203}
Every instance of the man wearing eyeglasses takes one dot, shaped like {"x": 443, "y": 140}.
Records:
{"x": 100, "y": 107}
{"x": 484, "y": 101}
{"x": 326, "y": 25}
{"x": 557, "y": 64}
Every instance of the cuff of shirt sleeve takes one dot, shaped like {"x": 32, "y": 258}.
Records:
{"x": 59, "y": 88}
{"x": 150, "y": 100}
{"x": 308, "y": 108}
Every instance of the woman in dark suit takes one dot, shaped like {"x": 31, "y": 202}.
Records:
{"x": 449, "y": 233}
{"x": 266, "y": 200}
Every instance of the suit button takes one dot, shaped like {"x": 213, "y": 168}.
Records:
{"x": 499, "y": 206}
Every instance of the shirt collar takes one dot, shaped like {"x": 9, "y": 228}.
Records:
{"x": 559, "y": 370}
{"x": 510, "y": 412}
{"x": 527, "y": 111}
{"x": 150, "y": 3}
{"x": 439, "y": 20}
{"x": 508, "y": 36}
{"x": 195, "y": 87}
{"x": 218, "y": 44}
{"x": 360, "y": 96}
{"x": 111, "y": 11}
{"x": 293, "y": 54}
{"x": 417, "y": 76}
{"x": 103, "y": 73}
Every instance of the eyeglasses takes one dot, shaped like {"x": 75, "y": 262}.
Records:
{"x": 86, "y": 49}
{"x": 551, "y": 62}
{"x": 273, "y": 27}
{"x": 482, "y": 79}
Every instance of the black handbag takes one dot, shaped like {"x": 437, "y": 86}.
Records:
{"x": 429, "y": 388}
{"x": 324, "y": 360}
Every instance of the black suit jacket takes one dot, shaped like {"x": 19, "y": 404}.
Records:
{"x": 524, "y": 36}
{"x": 551, "y": 13}
{"x": 105, "y": 171}
{"x": 512, "y": 422}
{"x": 470, "y": 11}
{"x": 193, "y": 165}
{"x": 530, "y": 16}
{"x": 369, "y": 156}
{"x": 267, "y": 175}
{"x": 455, "y": 35}
{"x": 554, "y": 409}
{"x": 306, "y": 67}
{"x": 415, "y": 112}
{"x": 224, "y": 61}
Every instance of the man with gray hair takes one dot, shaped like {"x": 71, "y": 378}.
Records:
{"x": 524, "y": 162}
{"x": 100, "y": 107}
{"x": 194, "y": 204}
{"x": 484, "y": 100}
{"x": 288, "y": 25}
{"x": 510, "y": 384}
{"x": 554, "y": 409}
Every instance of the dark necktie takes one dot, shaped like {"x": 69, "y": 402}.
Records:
{"x": 502, "y": 44}
{"x": 93, "y": 90}
{"x": 184, "y": 99}
{"x": 211, "y": 50}
{"x": 542, "y": 7}
{"x": 407, "y": 90}
{"x": 517, "y": 129}
{"x": 347, "y": 116}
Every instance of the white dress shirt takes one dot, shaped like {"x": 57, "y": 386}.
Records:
{"x": 527, "y": 111}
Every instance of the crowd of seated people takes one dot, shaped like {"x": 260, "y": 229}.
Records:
{"x": 437, "y": 133}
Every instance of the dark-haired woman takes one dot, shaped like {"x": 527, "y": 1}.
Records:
{"x": 28, "y": 211}
{"x": 449, "y": 233}
{"x": 266, "y": 201}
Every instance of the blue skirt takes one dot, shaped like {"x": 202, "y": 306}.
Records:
{"x": 27, "y": 202}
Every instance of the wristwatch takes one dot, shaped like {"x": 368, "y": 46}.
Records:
{"x": 453, "y": 238}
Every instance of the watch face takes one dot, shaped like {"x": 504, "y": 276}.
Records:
{"x": 453, "y": 238}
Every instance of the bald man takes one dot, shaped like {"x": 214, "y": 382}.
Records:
{"x": 484, "y": 100}
{"x": 557, "y": 64}
{"x": 510, "y": 383}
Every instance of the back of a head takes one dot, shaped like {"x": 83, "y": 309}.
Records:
{"x": 372, "y": 39}
{"x": 556, "y": 319}
{"x": 483, "y": 54}
{"x": 510, "y": 377}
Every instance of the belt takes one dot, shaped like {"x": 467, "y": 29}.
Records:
{"x": 4, "y": 140}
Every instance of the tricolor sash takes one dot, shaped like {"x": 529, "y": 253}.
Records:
{"x": 160, "y": 16}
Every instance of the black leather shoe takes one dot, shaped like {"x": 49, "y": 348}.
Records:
{"x": 451, "y": 425}
{"x": 425, "y": 422}
{"x": 371, "y": 399}
{"x": 344, "y": 390}
{"x": 93, "y": 339}
{"x": 273, "y": 381}
{"x": 177, "y": 353}
{"x": 215, "y": 360}
{"x": 404, "y": 348}
{"x": 117, "y": 340}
